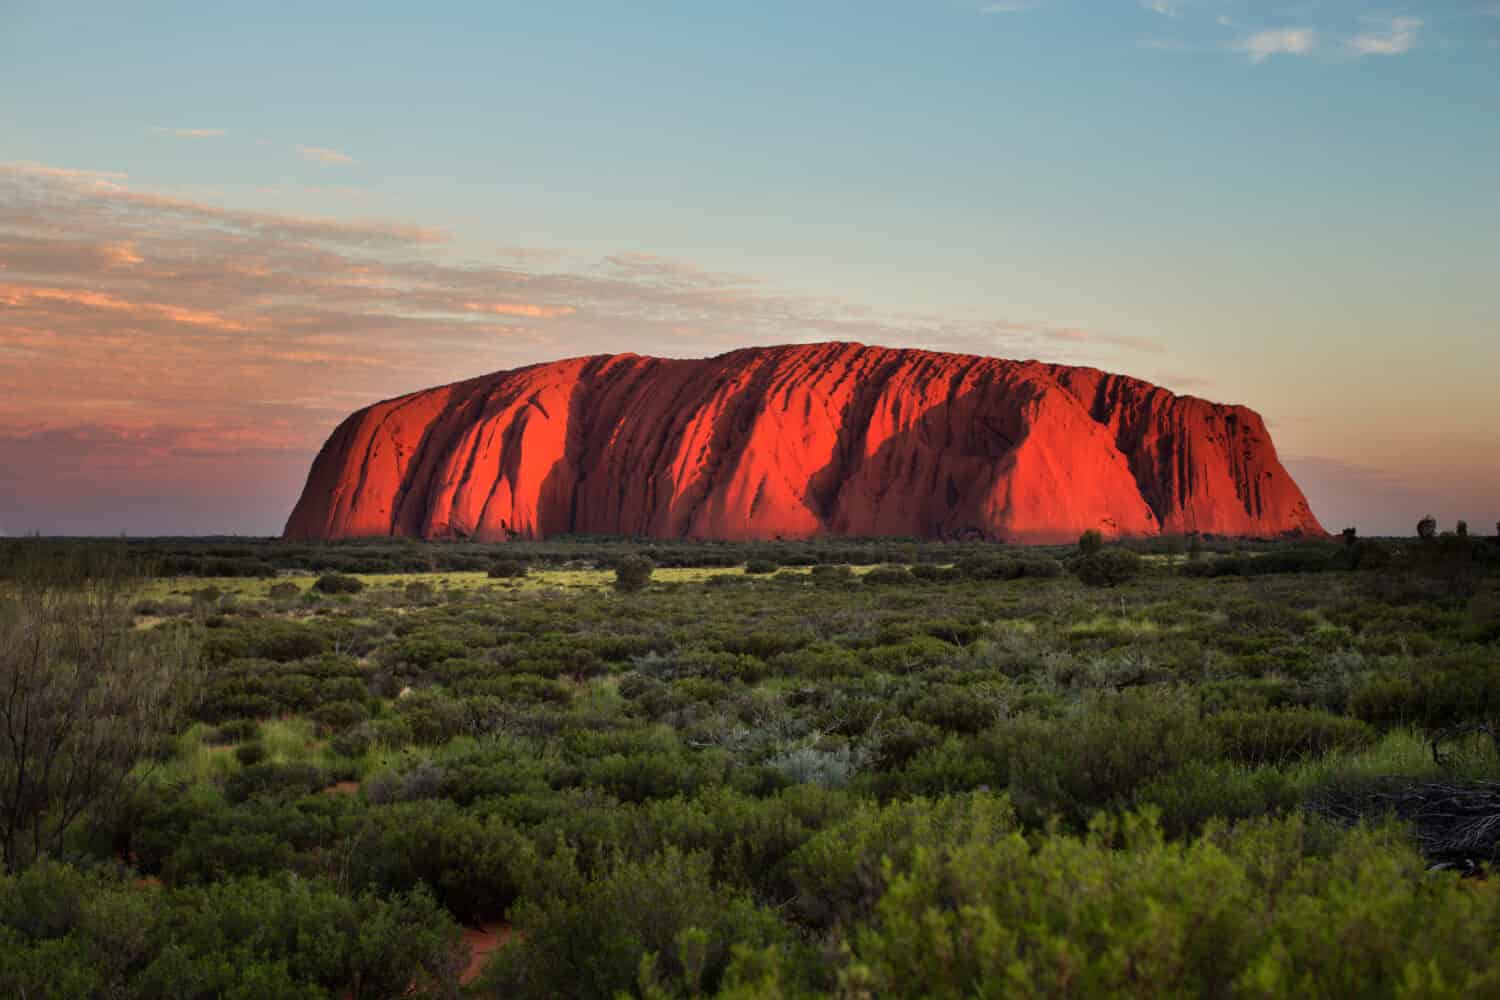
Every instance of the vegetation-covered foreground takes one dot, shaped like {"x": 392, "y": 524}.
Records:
{"x": 958, "y": 771}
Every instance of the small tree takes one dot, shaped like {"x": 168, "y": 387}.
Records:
{"x": 632, "y": 573}
{"x": 84, "y": 700}
{"x": 284, "y": 591}
{"x": 1461, "y": 529}
{"x": 508, "y": 569}
{"x": 1195, "y": 548}
{"x": 1351, "y": 536}
{"x": 1427, "y": 528}
{"x": 1108, "y": 568}
{"x": 338, "y": 583}
{"x": 1090, "y": 541}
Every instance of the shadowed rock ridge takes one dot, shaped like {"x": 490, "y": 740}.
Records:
{"x": 797, "y": 442}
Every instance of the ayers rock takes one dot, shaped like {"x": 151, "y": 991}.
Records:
{"x": 798, "y": 442}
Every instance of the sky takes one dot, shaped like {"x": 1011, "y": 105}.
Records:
{"x": 225, "y": 227}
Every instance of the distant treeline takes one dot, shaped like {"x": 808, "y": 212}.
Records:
{"x": 1201, "y": 555}
{"x": 252, "y": 557}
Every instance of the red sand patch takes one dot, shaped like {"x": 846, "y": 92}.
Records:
{"x": 483, "y": 941}
{"x": 342, "y": 788}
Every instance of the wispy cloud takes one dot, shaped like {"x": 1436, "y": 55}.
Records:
{"x": 1181, "y": 383}
{"x": 1400, "y": 35}
{"x": 1165, "y": 45}
{"x": 1262, "y": 45}
{"x": 322, "y": 154}
{"x": 526, "y": 309}
{"x": 1010, "y": 6}
{"x": 30, "y": 168}
{"x": 191, "y": 133}
{"x": 141, "y": 326}
{"x": 1073, "y": 335}
{"x": 1166, "y": 8}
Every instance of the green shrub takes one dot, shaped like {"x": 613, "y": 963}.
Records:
{"x": 250, "y": 754}
{"x": 903, "y": 739}
{"x": 842, "y": 872}
{"x": 1090, "y": 541}
{"x": 633, "y": 573}
{"x": 64, "y": 933}
{"x": 432, "y": 717}
{"x": 1283, "y": 735}
{"x": 663, "y": 920}
{"x": 336, "y": 715}
{"x": 1042, "y": 568}
{"x": 507, "y": 569}
{"x": 353, "y": 742}
{"x": 271, "y": 779}
{"x": 1199, "y": 792}
{"x": 284, "y": 591}
{"x": 236, "y": 731}
{"x": 825, "y": 575}
{"x": 1072, "y": 767}
{"x": 1108, "y": 568}
{"x": 960, "y": 709}
{"x": 476, "y": 867}
{"x": 725, "y": 581}
{"x": 338, "y": 583}
{"x": 989, "y": 568}
{"x": 1265, "y": 910}
{"x": 760, "y": 567}
{"x": 887, "y": 575}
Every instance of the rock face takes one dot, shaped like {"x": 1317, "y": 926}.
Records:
{"x": 798, "y": 442}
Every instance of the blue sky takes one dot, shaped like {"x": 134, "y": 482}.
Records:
{"x": 1289, "y": 205}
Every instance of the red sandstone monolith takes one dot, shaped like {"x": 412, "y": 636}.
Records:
{"x": 799, "y": 442}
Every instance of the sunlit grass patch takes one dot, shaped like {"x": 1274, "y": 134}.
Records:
{"x": 1401, "y": 753}
{"x": 1113, "y": 625}
{"x": 290, "y": 741}
{"x": 195, "y": 760}
{"x": 258, "y": 589}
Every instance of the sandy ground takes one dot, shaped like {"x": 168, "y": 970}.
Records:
{"x": 483, "y": 941}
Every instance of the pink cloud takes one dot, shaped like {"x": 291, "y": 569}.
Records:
{"x": 153, "y": 339}
{"x": 322, "y": 154}
{"x": 520, "y": 309}
{"x": 21, "y": 297}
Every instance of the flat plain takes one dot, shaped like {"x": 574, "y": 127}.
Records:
{"x": 817, "y": 769}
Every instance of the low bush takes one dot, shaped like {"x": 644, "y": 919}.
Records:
{"x": 338, "y": 583}
{"x": 1283, "y": 735}
{"x": 831, "y": 575}
{"x": 841, "y": 873}
{"x": 273, "y": 779}
{"x": 475, "y": 867}
{"x": 1264, "y": 910}
{"x": 1108, "y": 568}
{"x": 660, "y": 924}
{"x": 66, "y": 933}
{"x": 633, "y": 573}
{"x": 887, "y": 576}
{"x": 250, "y": 754}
